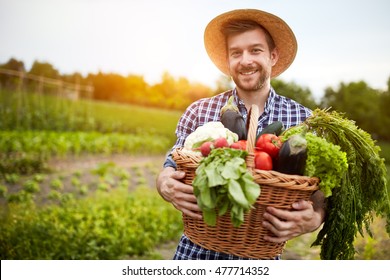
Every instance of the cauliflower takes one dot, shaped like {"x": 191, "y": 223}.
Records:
{"x": 209, "y": 132}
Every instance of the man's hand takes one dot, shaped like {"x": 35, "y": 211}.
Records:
{"x": 179, "y": 194}
{"x": 306, "y": 216}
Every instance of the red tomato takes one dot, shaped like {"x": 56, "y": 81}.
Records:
{"x": 236, "y": 146}
{"x": 242, "y": 144}
{"x": 269, "y": 143}
{"x": 239, "y": 145}
{"x": 263, "y": 160}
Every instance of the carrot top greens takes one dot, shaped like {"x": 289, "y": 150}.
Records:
{"x": 362, "y": 193}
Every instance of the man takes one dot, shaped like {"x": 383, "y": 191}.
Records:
{"x": 252, "y": 47}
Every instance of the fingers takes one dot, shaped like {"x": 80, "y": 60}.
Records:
{"x": 281, "y": 230}
{"x": 191, "y": 210}
{"x": 182, "y": 196}
{"x": 302, "y": 205}
{"x": 188, "y": 208}
{"x": 178, "y": 175}
{"x": 286, "y": 224}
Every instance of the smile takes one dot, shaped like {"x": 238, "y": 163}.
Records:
{"x": 248, "y": 73}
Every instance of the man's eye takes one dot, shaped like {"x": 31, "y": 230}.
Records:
{"x": 235, "y": 54}
{"x": 257, "y": 50}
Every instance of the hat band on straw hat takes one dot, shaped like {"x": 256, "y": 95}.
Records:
{"x": 281, "y": 33}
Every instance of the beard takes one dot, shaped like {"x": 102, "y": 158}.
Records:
{"x": 251, "y": 83}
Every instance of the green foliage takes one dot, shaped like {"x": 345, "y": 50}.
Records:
{"x": 12, "y": 178}
{"x": 324, "y": 160}
{"x": 13, "y": 64}
{"x": 56, "y": 184}
{"x": 170, "y": 93}
{"x": 362, "y": 193}
{"x": 26, "y": 152}
{"x": 366, "y": 247}
{"x": 29, "y": 111}
{"x": 375, "y": 247}
{"x": 44, "y": 69}
{"x": 223, "y": 183}
{"x": 295, "y": 92}
{"x": 111, "y": 225}
{"x": 368, "y": 107}
{"x": 3, "y": 191}
{"x": 31, "y": 186}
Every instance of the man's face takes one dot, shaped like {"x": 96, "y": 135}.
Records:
{"x": 250, "y": 60}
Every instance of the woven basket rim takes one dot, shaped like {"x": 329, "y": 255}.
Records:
{"x": 180, "y": 155}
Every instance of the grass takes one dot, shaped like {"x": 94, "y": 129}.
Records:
{"x": 30, "y": 111}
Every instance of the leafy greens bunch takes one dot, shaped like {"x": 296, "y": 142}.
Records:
{"x": 223, "y": 183}
{"x": 325, "y": 160}
{"x": 362, "y": 192}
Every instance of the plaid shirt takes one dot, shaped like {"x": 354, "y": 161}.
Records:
{"x": 187, "y": 250}
{"x": 277, "y": 108}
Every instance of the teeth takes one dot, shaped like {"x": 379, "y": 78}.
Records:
{"x": 248, "y": 73}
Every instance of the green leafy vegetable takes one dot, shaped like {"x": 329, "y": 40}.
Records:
{"x": 325, "y": 160}
{"x": 362, "y": 192}
{"x": 223, "y": 183}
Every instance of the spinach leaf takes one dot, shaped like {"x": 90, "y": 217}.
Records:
{"x": 222, "y": 184}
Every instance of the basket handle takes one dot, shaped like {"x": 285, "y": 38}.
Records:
{"x": 252, "y": 129}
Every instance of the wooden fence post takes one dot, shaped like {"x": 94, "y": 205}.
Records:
{"x": 20, "y": 100}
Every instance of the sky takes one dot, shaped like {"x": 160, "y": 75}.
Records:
{"x": 338, "y": 40}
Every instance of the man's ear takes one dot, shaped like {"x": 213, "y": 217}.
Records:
{"x": 274, "y": 56}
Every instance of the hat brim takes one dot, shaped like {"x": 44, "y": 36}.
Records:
{"x": 283, "y": 36}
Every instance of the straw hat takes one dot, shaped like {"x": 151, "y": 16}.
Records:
{"x": 281, "y": 33}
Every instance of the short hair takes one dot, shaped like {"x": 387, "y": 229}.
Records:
{"x": 240, "y": 26}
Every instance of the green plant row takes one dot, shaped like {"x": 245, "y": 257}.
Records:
{"x": 114, "y": 225}
{"x": 26, "y": 152}
{"x": 53, "y": 143}
{"x": 31, "y": 111}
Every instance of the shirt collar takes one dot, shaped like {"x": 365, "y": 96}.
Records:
{"x": 240, "y": 104}
{"x": 268, "y": 104}
{"x": 270, "y": 100}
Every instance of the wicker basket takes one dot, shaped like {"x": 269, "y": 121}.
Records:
{"x": 277, "y": 189}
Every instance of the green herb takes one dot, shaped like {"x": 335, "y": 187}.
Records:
{"x": 362, "y": 192}
{"x": 223, "y": 183}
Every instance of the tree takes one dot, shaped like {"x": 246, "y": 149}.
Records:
{"x": 358, "y": 101}
{"x": 384, "y": 115}
{"x": 44, "y": 69}
{"x": 137, "y": 90}
{"x": 75, "y": 78}
{"x": 176, "y": 93}
{"x": 110, "y": 87}
{"x": 294, "y": 91}
{"x": 14, "y": 64}
{"x": 10, "y": 81}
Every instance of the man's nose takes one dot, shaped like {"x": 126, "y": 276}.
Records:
{"x": 246, "y": 58}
